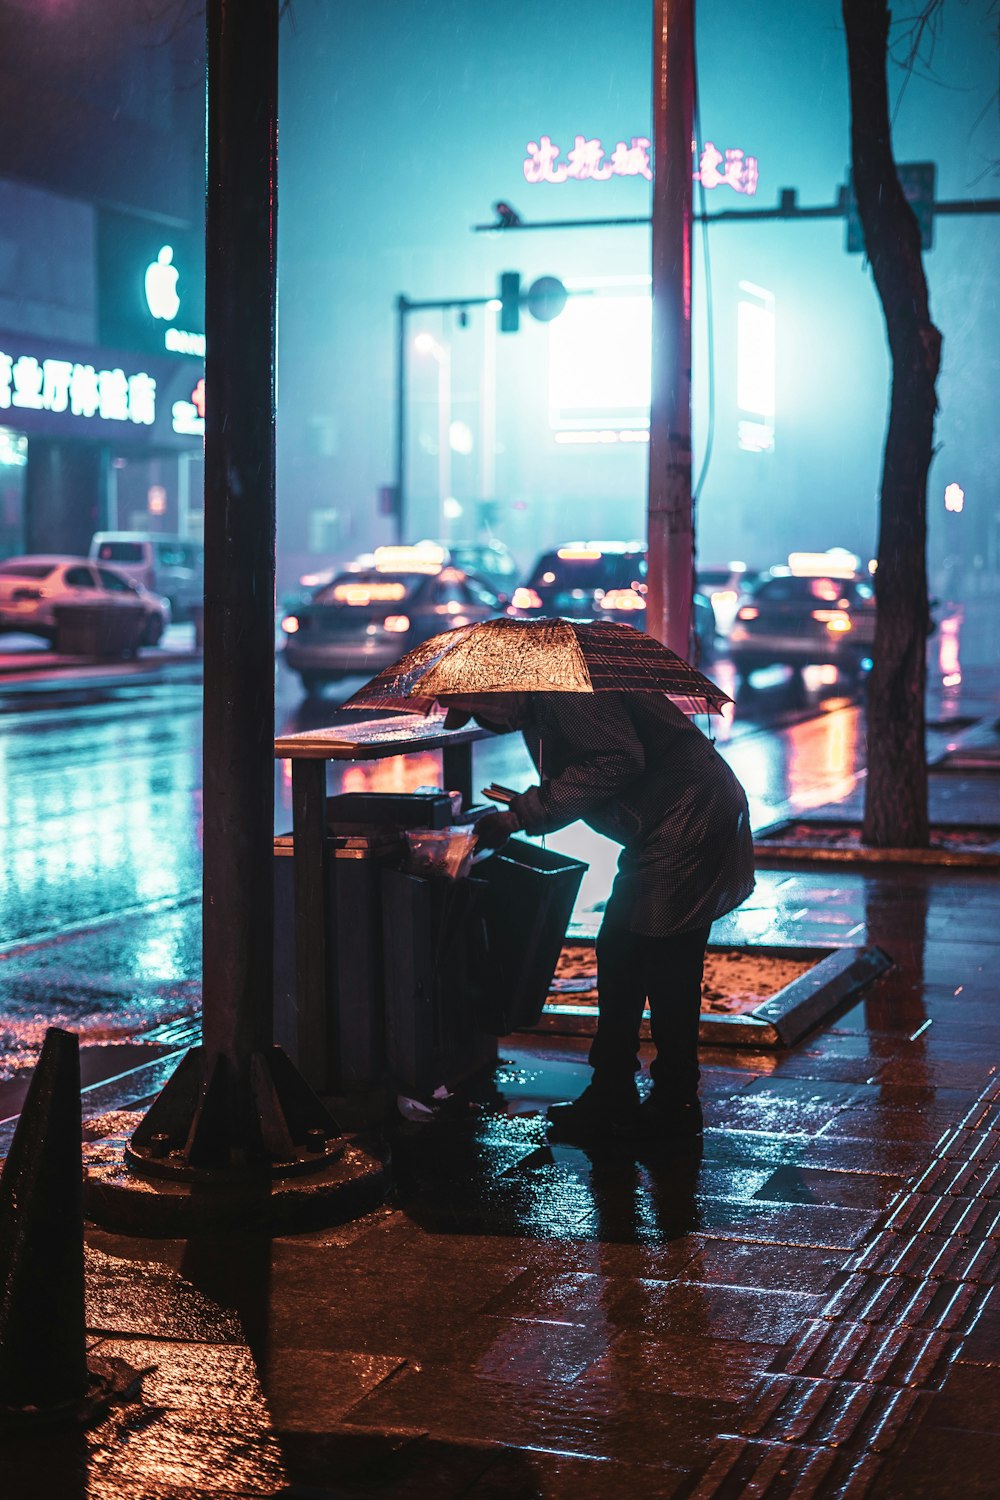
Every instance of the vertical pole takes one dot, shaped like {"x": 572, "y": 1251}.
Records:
{"x": 670, "y": 526}
{"x": 401, "y": 310}
{"x": 488, "y": 409}
{"x": 444, "y": 438}
{"x": 240, "y": 291}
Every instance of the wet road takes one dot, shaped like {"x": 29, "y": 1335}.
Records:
{"x": 100, "y": 821}
{"x": 101, "y": 807}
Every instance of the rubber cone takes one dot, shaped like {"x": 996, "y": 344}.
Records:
{"x": 43, "y": 1336}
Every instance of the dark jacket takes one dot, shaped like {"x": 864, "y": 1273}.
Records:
{"x": 635, "y": 769}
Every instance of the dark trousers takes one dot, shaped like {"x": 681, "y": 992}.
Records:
{"x": 632, "y": 968}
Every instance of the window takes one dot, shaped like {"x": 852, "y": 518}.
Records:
{"x": 176, "y": 555}
{"x": 80, "y": 578}
{"x": 115, "y": 583}
{"x": 481, "y": 594}
{"x": 121, "y": 552}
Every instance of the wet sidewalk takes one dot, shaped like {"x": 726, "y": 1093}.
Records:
{"x": 805, "y": 1307}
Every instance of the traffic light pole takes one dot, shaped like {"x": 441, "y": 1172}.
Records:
{"x": 787, "y": 207}
{"x": 403, "y": 308}
{"x": 670, "y": 526}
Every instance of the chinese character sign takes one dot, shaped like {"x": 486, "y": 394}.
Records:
{"x": 588, "y": 160}
{"x": 59, "y": 385}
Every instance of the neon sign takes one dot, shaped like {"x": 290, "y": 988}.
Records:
{"x": 588, "y": 161}
{"x": 188, "y": 417}
{"x": 61, "y": 385}
{"x": 740, "y": 172}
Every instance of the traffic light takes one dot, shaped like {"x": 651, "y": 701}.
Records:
{"x": 510, "y": 301}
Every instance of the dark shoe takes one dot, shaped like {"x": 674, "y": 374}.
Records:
{"x": 665, "y": 1118}
{"x": 599, "y": 1113}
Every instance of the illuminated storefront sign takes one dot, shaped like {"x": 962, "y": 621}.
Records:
{"x": 588, "y": 161}
{"x": 62, "y": 385}
{"x": 188, "y": 417}
{"x": 150, "y": 285}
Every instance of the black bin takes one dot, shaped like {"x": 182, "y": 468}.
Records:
{"x": 528, "y": 900}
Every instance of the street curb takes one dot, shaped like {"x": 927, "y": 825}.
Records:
{"x": 780, "y": 1021}
{"x": 975, "y": 747}
{"x": 770, "y": 849}
{"x": 79, "y": 673}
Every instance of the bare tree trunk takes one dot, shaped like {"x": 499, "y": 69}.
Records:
{"x": 896, "y": 790}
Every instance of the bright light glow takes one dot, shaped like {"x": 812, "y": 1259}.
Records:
{"x": 579, "y": 554}
{"x": 397, "y": 623}
{"x": 367, "y": 593}
{"x": 289, "y": 624}
{"x": 451, "y": 508}
{"x": 599, "y": 368}
{"x": 622, "y": 599}
{"x": 748, "y": 612}
{"x": 425, "y": 557}
{"x": 819, "y": 674}
{"x": 426, "y": 343}
{"x": 755, "y": 368}
{"x": 954, "y": 498}
{"x": 13, "y": 449}
{"x": 835, "y": 563}
{"x": 832, "y": 619}
{"x": 724, "y": 596}
{"x": 523, "y": 598}
{"x": 460, "y": 437}
{"x": 873, "y": 565}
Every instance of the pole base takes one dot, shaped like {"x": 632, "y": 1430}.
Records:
{"x": 218, "y": 1150}
{"x": 111, "y": 1381}
{"x": 120, "y": 1198}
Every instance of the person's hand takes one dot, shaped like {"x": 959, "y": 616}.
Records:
{"x": 493, "y": 830}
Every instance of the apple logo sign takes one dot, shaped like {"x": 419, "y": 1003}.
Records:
{"x": 161, "y": 286}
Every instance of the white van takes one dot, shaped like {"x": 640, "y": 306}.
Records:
{"x": 173, "y": 566}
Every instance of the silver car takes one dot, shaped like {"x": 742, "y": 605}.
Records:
{"x": 32, "y": 589}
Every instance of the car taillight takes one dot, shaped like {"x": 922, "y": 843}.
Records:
{"x": 397, "y": 623}
{"x": 622, "y": 599}
{"x": 748, "y": 612}
{"x": 833, "y": 619}
{"x": 290, "y": 624}
{"x": 523, "y": 598}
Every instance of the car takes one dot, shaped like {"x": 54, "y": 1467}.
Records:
{"x": 32, "y": 588}
{"x": 365, "y": 618}
{"x": 722, "y": 587}
{"x": 818, "y": 610}
{"x": 600, "y": 581}
{"x": 491, "y": 561}
{"x": 170, "y": 565}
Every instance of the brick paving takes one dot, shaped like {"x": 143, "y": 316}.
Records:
{"x": 804, "y": 1308}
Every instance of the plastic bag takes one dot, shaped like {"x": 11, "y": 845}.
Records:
{"x": 445, "y": 852}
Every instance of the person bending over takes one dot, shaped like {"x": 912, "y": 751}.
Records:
{"x": 635, "y": 769}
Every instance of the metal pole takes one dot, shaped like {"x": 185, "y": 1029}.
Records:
{"x": 443, "y": 357}
{"x": 670, "y": 526}
{"x": 240, "y": 291}
{"x": 488, "y": 410}
{"x": 402, "y": 306}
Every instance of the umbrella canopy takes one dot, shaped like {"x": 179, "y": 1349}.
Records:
{"x": 539, "y": 656}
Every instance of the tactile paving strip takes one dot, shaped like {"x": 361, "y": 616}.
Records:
{"x": 834, "y": 1405}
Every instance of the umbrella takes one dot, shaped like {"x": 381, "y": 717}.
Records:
{"x": 539, "y": 656}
